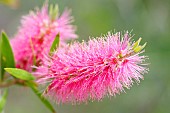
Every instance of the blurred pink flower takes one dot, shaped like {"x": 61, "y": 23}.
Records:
{"x": 36, "y": 34}
{"x": 83, "y": 71}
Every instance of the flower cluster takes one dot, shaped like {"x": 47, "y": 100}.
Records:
{"x": 90, "y": 70}
{"x": 80, "y": 71}
{"x": 36, "y": 34}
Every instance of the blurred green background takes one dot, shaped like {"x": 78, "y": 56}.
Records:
{"x": 149, "y": 19}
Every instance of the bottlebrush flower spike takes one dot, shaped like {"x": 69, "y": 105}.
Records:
{"x": 83, "y": 71}
{"x": 37, "y": 32}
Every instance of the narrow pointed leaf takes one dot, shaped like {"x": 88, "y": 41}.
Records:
{"x": 20, "y": 74}
{"x": 53, "y": 12}
{"x": 3, "y": 100}
{"x": 6, "y": 50}
{"x": 40, "y": 96}
{"x": 2, "y": 66}
{"x": 55, "y": 44}
{"x": 136, "y": 44}
{"x": 6, "y": 54}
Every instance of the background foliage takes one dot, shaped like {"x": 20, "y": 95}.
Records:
{"x": 149, "y": 19}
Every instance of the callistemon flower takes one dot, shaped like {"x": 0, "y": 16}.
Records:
{"x": 37, "y": 32}
{"x": 93, "y": 69}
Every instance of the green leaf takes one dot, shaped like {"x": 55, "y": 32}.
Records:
{"x": 3, "y": 100}
{"x": 45, "y": 101}
{"x": 136, "y": 47}
{"x": 55, "y": 44}
{"x": 6, "y": 50}
{"x": 2, "y": 66}
{"x": 6, "y": 54}
{"x": 53, "y": 11}
{"x": 19, "y": 73}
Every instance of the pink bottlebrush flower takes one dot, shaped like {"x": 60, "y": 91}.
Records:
{"x": 83, "y": 71}
{"x": 36, "y": 34}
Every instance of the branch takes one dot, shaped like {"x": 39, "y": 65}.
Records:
{"x": 8, "y": 84}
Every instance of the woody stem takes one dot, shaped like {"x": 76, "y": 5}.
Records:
{"x": 10, "y": 83}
